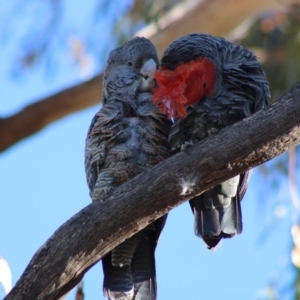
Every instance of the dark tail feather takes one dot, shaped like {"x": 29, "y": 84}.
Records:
{"x": 136, "y": 278}
{"x": 118, "y": 281}
{"x": 217, "y": 213}
{"x": 143, "y": 267}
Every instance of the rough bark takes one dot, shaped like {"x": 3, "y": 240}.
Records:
{"x": 79, "y": 243}
{"x": 217, "y": 17}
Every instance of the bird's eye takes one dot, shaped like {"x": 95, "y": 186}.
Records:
{"x": 204, "y": 85}
{"x": 129, "y": 63}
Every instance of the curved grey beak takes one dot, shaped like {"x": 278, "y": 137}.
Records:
{"x": 146, "y": 73}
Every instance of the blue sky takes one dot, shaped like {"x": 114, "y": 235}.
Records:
{"x": 43, "y": 182}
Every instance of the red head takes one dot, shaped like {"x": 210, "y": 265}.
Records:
{"x": 183, "y": 86}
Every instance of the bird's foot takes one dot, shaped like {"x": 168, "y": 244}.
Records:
{"x": 213, "y": 131}
{"x": 186, "y": 146}
{"x": 102, "y": 193}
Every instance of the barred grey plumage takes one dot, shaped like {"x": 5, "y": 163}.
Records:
{"x": 240, "y": 89}
{"x": 126, "y": 137}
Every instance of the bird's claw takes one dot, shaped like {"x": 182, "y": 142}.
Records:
{"x": 186, "y": 146}
{"x": 213, "y": 131}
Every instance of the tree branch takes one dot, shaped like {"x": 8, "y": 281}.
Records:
{"x": 39, "y": 114}
{"x": 216, "y": 17}
{"x": 79, "y": 243}
{"x": 190, "y": 16}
